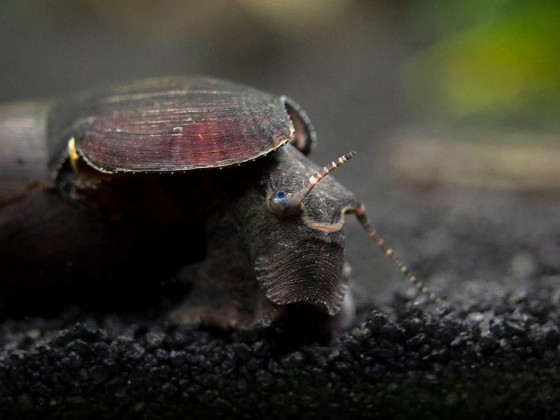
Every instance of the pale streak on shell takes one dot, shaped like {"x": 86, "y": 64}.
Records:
{"x": 157, "y": 127}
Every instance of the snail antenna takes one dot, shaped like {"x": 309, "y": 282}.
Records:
{"x": 314, "y": 179}
{"x": 284, "y": 204}
{"x": 360, "y": 213}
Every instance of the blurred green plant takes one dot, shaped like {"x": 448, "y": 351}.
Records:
{"x": 496, "y": 61}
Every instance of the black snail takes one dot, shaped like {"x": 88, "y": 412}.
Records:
{"x": 119, "y": 189}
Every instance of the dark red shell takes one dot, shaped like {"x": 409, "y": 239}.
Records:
{"x": 169, "y": 124}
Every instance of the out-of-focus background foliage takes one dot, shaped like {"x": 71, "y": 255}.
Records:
{"x": 495, "y": 61}
{"x": 370, "y": 73}
{"x": 360, "y": 67}
{"x": 492, "y": 61}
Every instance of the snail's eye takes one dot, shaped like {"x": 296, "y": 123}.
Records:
{"x": 278, "y": 202}
{"x": 280, "y": 196}
{"x": 286, "y": 205}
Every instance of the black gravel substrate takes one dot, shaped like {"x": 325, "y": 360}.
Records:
{"x": 493, "y": 354}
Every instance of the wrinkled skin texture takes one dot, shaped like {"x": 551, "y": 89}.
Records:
{"x": 238, "y": 264}
{"x": 280, "y": 262}
{"x": 133, "y": 205}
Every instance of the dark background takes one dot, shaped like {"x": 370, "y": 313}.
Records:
{"x": 452, "y": 106}
{"x": 364, "y": 70}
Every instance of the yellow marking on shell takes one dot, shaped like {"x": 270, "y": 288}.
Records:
{"x": 277, "y": 142}
{"x": 73, "y": 154}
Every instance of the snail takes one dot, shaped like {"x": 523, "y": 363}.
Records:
{"x": 107, "y": 195}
